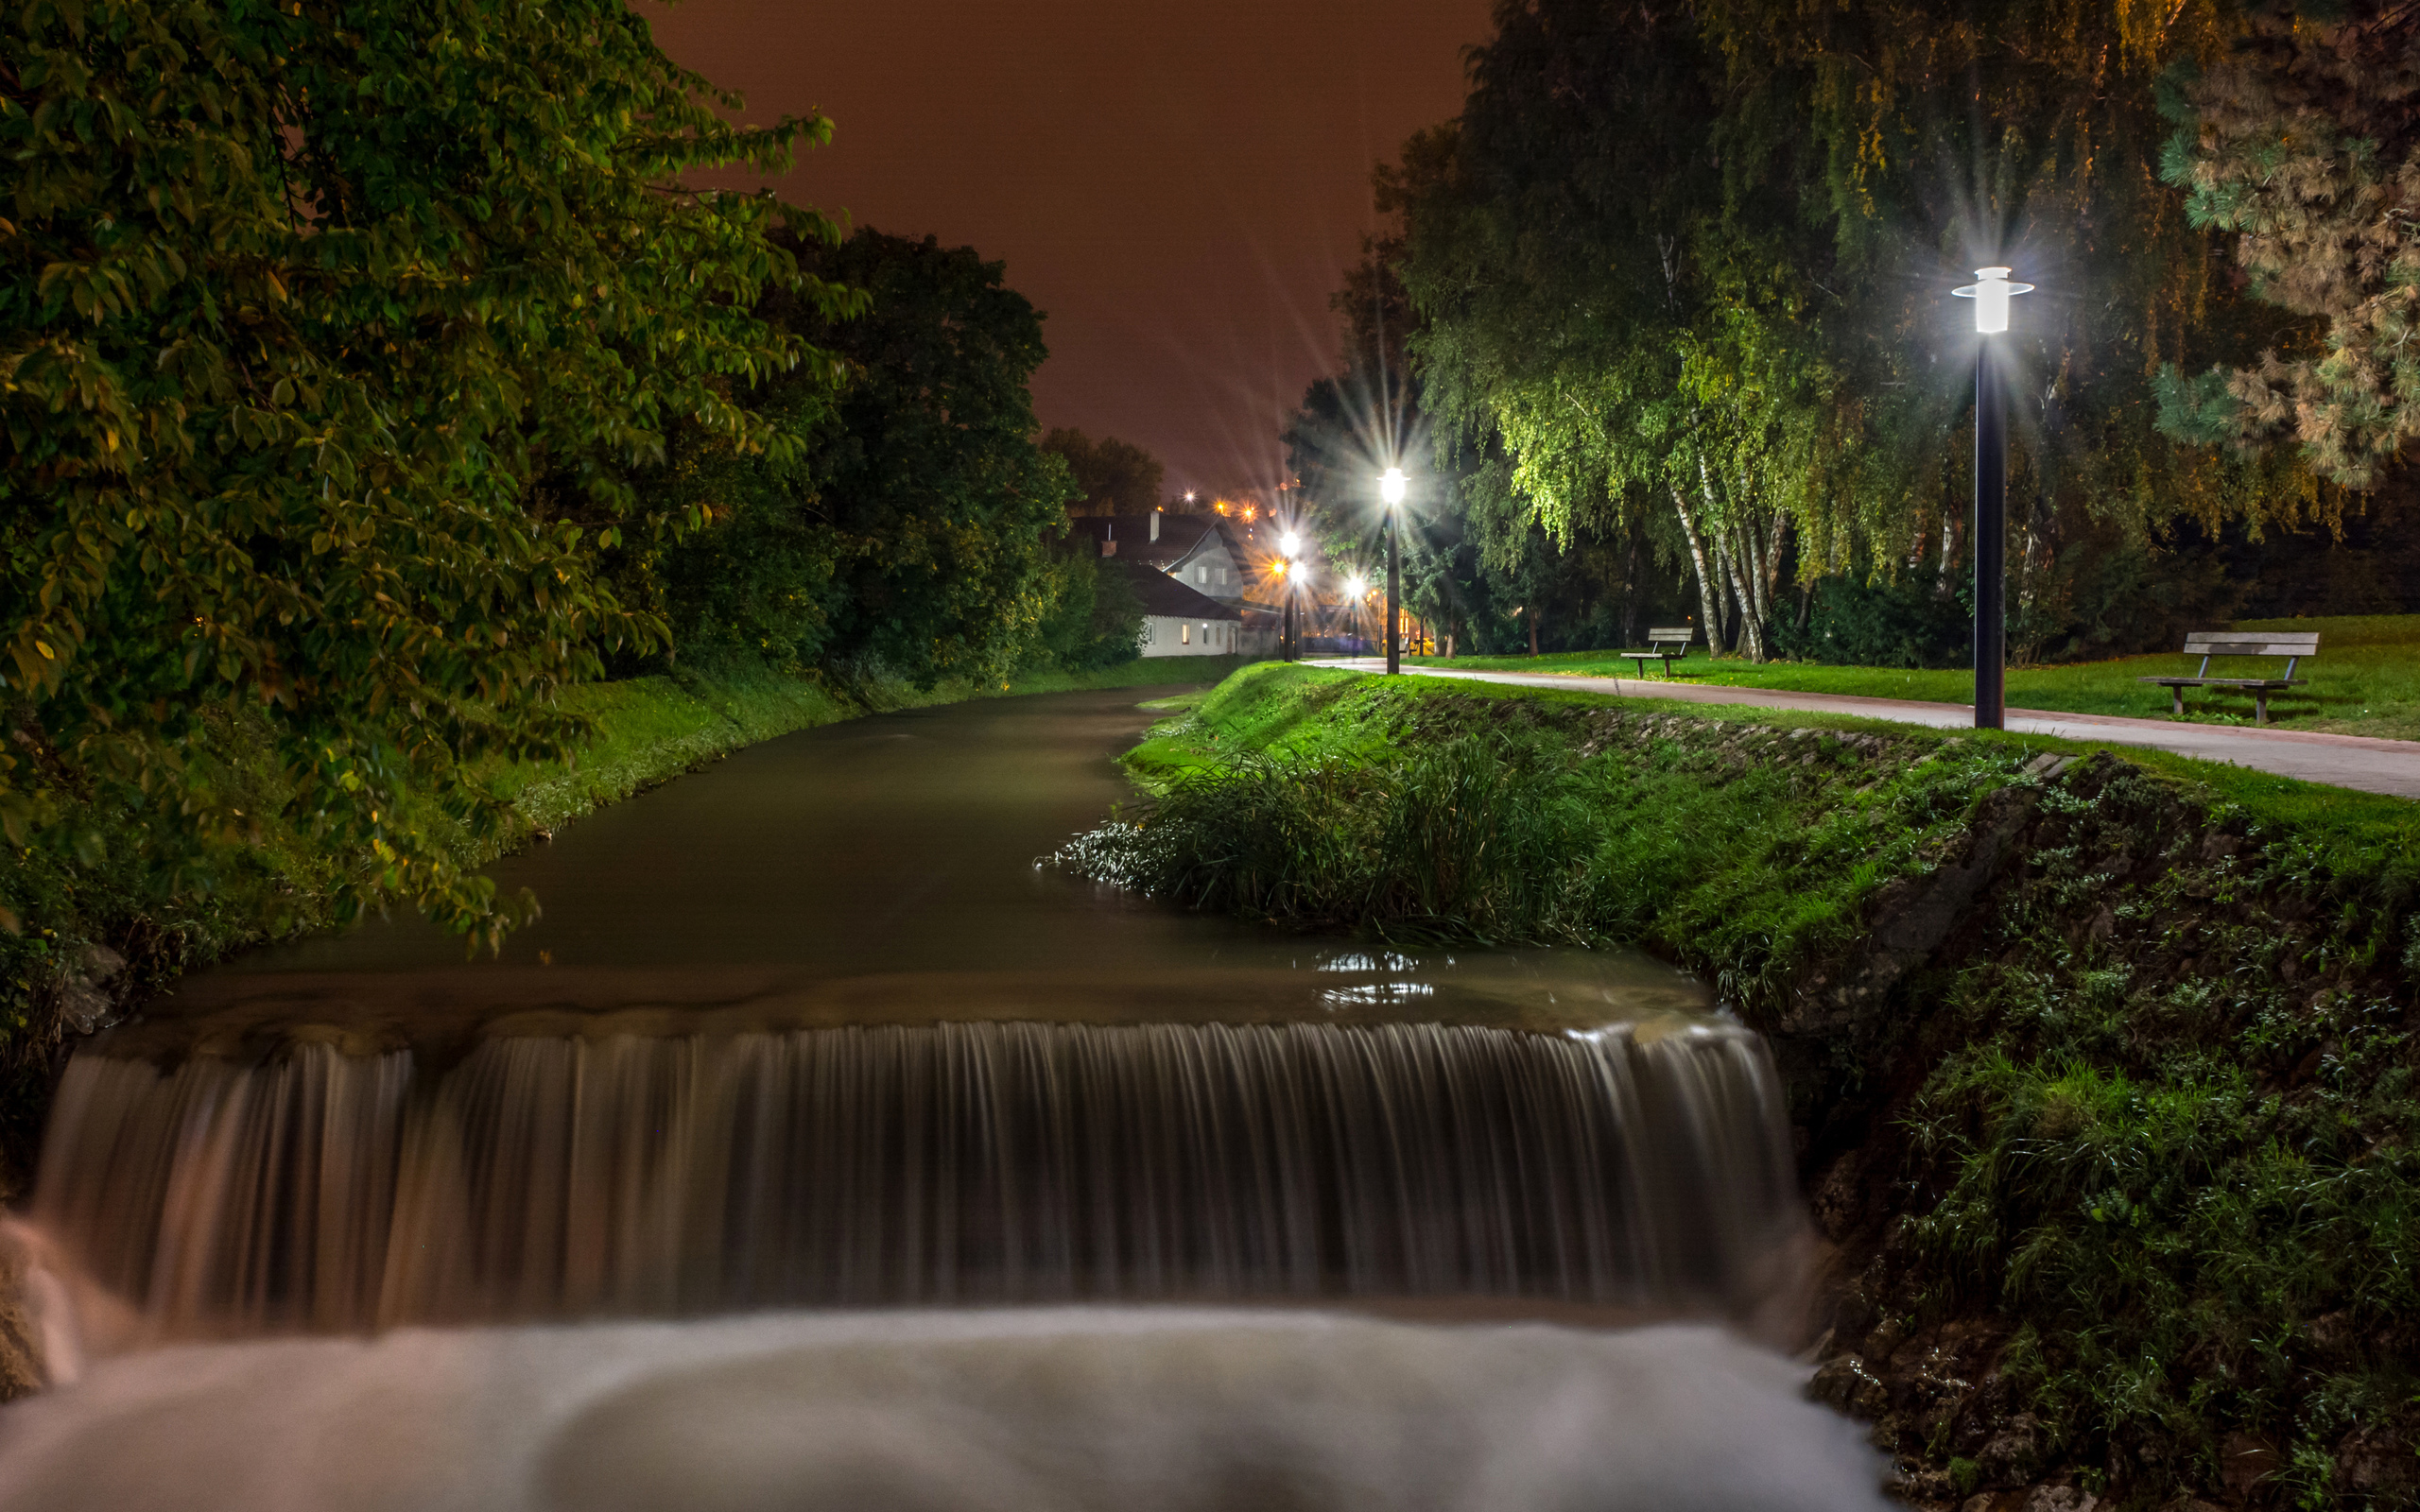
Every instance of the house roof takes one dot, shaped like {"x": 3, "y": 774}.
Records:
{"x": 1164, "y": 596}
{"x": 1180, "y": 536}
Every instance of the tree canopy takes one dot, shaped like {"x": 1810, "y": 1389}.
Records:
{"x": 907, "y": 532}
{"x": 1686, "y": 271}
{"x": 1111, "y": 476}
{"x": 2305, "y": 138}
{"x": 333, "y": 337}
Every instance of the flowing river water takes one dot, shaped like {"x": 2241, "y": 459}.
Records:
{"x": 811, "y": 1032}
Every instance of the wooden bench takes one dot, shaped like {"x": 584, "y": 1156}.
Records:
{"x": 1666, "y": 644}
{"x": 2207, "y": 643}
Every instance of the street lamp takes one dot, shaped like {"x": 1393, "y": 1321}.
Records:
{"x": 1991, "y": 293}
{"x": 1289, "y": 546}
{"x": 1391, "y": 487}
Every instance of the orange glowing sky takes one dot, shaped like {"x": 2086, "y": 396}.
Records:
{"x": 1178, "y": 186}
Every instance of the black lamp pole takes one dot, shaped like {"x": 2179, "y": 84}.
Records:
{"x": 1991, "y": 291}
{"x": 1395, "y": 591}
{"x": 1991, "y": 544}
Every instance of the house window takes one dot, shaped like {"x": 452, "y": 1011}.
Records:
{"x": 1185, "y": 634}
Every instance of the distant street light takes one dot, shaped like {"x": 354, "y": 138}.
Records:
{"x": 1290, "y": 545}
{"x": 1991, "y": 295}
{"x": 1391, "y": 488}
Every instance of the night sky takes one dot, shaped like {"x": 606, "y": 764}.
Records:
{"x": 1178, "y": 186}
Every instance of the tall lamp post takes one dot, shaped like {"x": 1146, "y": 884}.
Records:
{"x": 1991, "y": 293}
{"x": 1288, "y": 544}
{"x": 1391, "y": 487}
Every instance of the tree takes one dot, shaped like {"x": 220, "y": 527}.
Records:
{"x": 1112, "y": 477}
{"x": 2305, "y": 139}
{"x": 1689, "y": 265}
{"x": 1594, "y": 309}
{"x": 907, "y": 530}
{"x": 301, "y": 305}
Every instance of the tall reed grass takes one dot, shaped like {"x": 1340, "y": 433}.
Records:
{"x": 1482, "y": 838}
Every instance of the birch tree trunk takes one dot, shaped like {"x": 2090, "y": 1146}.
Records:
{"x": 1706, "y": 590}
{"x": 1731, "y": 544}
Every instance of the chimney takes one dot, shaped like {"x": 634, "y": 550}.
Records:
{"x": 1155, "y": 524}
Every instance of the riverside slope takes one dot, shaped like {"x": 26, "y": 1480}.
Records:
{"x": 2103, "y": 1080}
{"x": 2357, "y": 762}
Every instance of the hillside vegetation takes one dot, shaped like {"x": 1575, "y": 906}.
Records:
{"x": 2104, "y": 1070}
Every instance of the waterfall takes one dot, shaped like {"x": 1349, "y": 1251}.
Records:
{"x": 951, "y": 1164}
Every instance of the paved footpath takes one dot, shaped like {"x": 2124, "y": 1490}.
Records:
{"x": 2340, "y": 761}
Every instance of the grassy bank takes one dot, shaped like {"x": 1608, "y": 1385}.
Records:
{"x": 100, "y": 934}
{"x": 2365, "y": 681}
{"x": 2105, "y": 1073}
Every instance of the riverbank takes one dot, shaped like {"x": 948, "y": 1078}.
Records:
{"x": 2103, "y": 1068}
{"x": 97, "y": 939}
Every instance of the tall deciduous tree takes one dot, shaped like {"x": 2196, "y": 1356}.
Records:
{"x": 907, "y": 532}
{"x": 298, "y": 302}
{"x": 1112, "y": 477}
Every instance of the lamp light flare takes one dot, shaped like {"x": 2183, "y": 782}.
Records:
{"x": 1991, "y": 293}
{"x": 1290, "y": 543}
{"x": 1390, "y": 486}
{"x": 1355, "y": 588}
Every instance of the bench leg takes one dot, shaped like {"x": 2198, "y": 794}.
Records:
{"x": 2178, "y": 696}
{"x": 2260, "y": 707}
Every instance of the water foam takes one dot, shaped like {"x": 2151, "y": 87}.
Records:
{"x": 1006, "y": 1411}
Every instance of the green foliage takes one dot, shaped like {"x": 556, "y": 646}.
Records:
{"x": 1095, "y": 620}
{"x": 2300, "y": 139}
{"x": 2176, "y": 1144}
{"x": 1684, "y": 269}
{"x": 331, "y": 332}
{"x": 1111, "y": 476}
{"x": 1417, "y": 809}
{"x": 2145, "y": 1129}
{"x": 1472, "y": 839}
{"x": 906, "y": 534}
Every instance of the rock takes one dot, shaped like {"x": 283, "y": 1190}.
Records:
{"x": 2058, "y": 1499}
{"x": 2245, "y": 1461}
{"x": 2012, "y": 1454}
{"x": 85, "y": 1008}
{"x": 2371, "y": 1461}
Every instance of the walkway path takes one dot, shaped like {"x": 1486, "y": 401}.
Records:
{"x": 2340, "y": 760}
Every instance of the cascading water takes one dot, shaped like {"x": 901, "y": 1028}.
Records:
{"x": 653, "y": 1107}
{"x": 1013, "y": 1162}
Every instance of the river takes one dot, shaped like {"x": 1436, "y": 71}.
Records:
{"x": 815, "y": 1028}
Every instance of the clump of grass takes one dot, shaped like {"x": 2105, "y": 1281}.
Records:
{"x": 1479, "y": 838}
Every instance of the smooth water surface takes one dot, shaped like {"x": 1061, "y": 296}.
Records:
{"x": 885, "y": 870}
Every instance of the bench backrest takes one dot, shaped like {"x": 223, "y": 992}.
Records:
{"x": 1672, "y": 635}
{"x": 2251, "y": 642}
{"x": 2291, "y": 644}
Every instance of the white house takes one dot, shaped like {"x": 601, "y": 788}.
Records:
{"x": 1177, "y": 620}
{"x": 1186, "y": 547}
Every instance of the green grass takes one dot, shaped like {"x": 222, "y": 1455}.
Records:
{"x": 2365, "y": 681}
{"x": 2133, "y": 1151}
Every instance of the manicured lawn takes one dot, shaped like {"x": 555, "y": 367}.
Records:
{"x": 2365, "y": 681}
